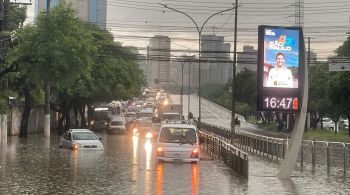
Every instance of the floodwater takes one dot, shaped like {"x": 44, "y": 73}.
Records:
{"x": 127, "y": 166}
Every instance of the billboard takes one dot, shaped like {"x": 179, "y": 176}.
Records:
{"x": 279, "y": 64}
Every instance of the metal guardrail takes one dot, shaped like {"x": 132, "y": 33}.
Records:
{"x": 233, "y": 157}
{"x": 334, "y": 156}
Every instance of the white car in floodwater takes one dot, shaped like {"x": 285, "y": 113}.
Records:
{"x": 78, "y": 139}
{"x": 178, "y": 141}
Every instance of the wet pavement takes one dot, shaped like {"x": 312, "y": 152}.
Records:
{"x": 127, "y": 166}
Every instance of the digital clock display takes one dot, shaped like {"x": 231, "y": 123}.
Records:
{"x": 280, "y": 103}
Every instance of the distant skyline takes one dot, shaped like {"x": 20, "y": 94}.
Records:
{"x": 133, "y": 22}
{"x": 326, "y": 22}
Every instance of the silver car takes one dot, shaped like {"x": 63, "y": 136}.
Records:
{"x": 77, "y": 139}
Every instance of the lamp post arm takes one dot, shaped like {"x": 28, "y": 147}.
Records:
{"x": 213, "y": 16}
{"x": 183, "y": 14}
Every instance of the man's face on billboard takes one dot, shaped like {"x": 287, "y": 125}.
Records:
{"x": 280, "y": 61}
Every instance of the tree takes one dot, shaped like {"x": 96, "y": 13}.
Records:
{"x": 319, "y": 103}
{"x": 57, "y": 48}
{"x": 341, "y": 89}
{"x": 246, "y": 92}
{"x": 113, "y": 75}
{"x": 16, "y": 19}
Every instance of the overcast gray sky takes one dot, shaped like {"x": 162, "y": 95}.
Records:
{"x": 133, "y": 22}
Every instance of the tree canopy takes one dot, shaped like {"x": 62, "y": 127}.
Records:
{"x": 82, "y": 63}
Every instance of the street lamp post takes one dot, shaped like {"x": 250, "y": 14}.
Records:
{"x": 182, "y": 63}
{"x": 199, "y": 30}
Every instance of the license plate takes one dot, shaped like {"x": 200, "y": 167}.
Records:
{"x": 177, "y": 154}
{"x": 178, "y": 160}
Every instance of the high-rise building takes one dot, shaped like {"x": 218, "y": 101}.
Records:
{"x": 247, "y": 59}
{"x": 98, "y": 12}
{"x": 93, "y": 11}
{"x": 158, "y": 59}
{"x": 215, "y": 60}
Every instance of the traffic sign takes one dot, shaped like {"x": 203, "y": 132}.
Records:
{"x": 339, "y": 64}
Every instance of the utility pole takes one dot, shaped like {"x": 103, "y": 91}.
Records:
{"x": 47, "y": 94}
{"x": 233, "y": 104}
{"x": 299, "y": 12}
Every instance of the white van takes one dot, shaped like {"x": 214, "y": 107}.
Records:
{"x": 178, "y": 142}
{"x": 117, "y": 125}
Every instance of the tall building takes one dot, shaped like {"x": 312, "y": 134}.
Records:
{"x": 93, "y": 11}
{"x": 247, "y": 59}
{"x": 158, "y": 60}
{"x": 98, "y": 12}
{"x": 215, "y": 60}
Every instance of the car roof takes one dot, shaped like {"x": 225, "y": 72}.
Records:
{"x": 79, "y": 130}
{"x": 171, "y": 113}
{"x": 146, "y": 111}
{"x": 179, "y": 124}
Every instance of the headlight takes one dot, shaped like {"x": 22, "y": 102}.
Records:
{"x": 75, "y": 147}
{"x": 149, "y": 135}
{"x": 92, "y": 122}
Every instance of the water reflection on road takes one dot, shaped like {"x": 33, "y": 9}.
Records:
{"x": 127, "y": 166}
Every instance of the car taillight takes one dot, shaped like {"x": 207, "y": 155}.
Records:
{"x": 160, "y": 152}
{"x": 195, "y": 153}
{"x": 75, "y": 147}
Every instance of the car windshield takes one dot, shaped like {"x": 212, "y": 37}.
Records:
{"x": 141, "y": 115}
{"x": 84, "y": 136}
{"x": 178, "y": 135}
{"x": 171, "y": 117}
{"x": 116, "y": 123}
{"x": 326, "y": 120}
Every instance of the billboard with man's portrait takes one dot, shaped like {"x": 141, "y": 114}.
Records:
{"x": 284, "y": 42}
{"x": 279, "y": 62}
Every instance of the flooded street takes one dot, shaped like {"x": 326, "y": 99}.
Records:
{"x": 127, "y": 166}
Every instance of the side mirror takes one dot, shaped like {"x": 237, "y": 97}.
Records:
{"x": 100, "y": 138}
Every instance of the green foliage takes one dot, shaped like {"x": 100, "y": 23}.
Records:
{"x": 18, "y": 14}
{"x": 245, "y": 92}
{"x": 218, "y": 94}
{"x": 3, "y": 105}
{"x": 344, "y": 50}
{"x": 115, "y": 74}
{"x": 246, "y": 87}
{"x": 318, "y": 96}
{"x": 243, "y": 108}
{"x": 326, "y": 135}
{"x": 4, "y": 100}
